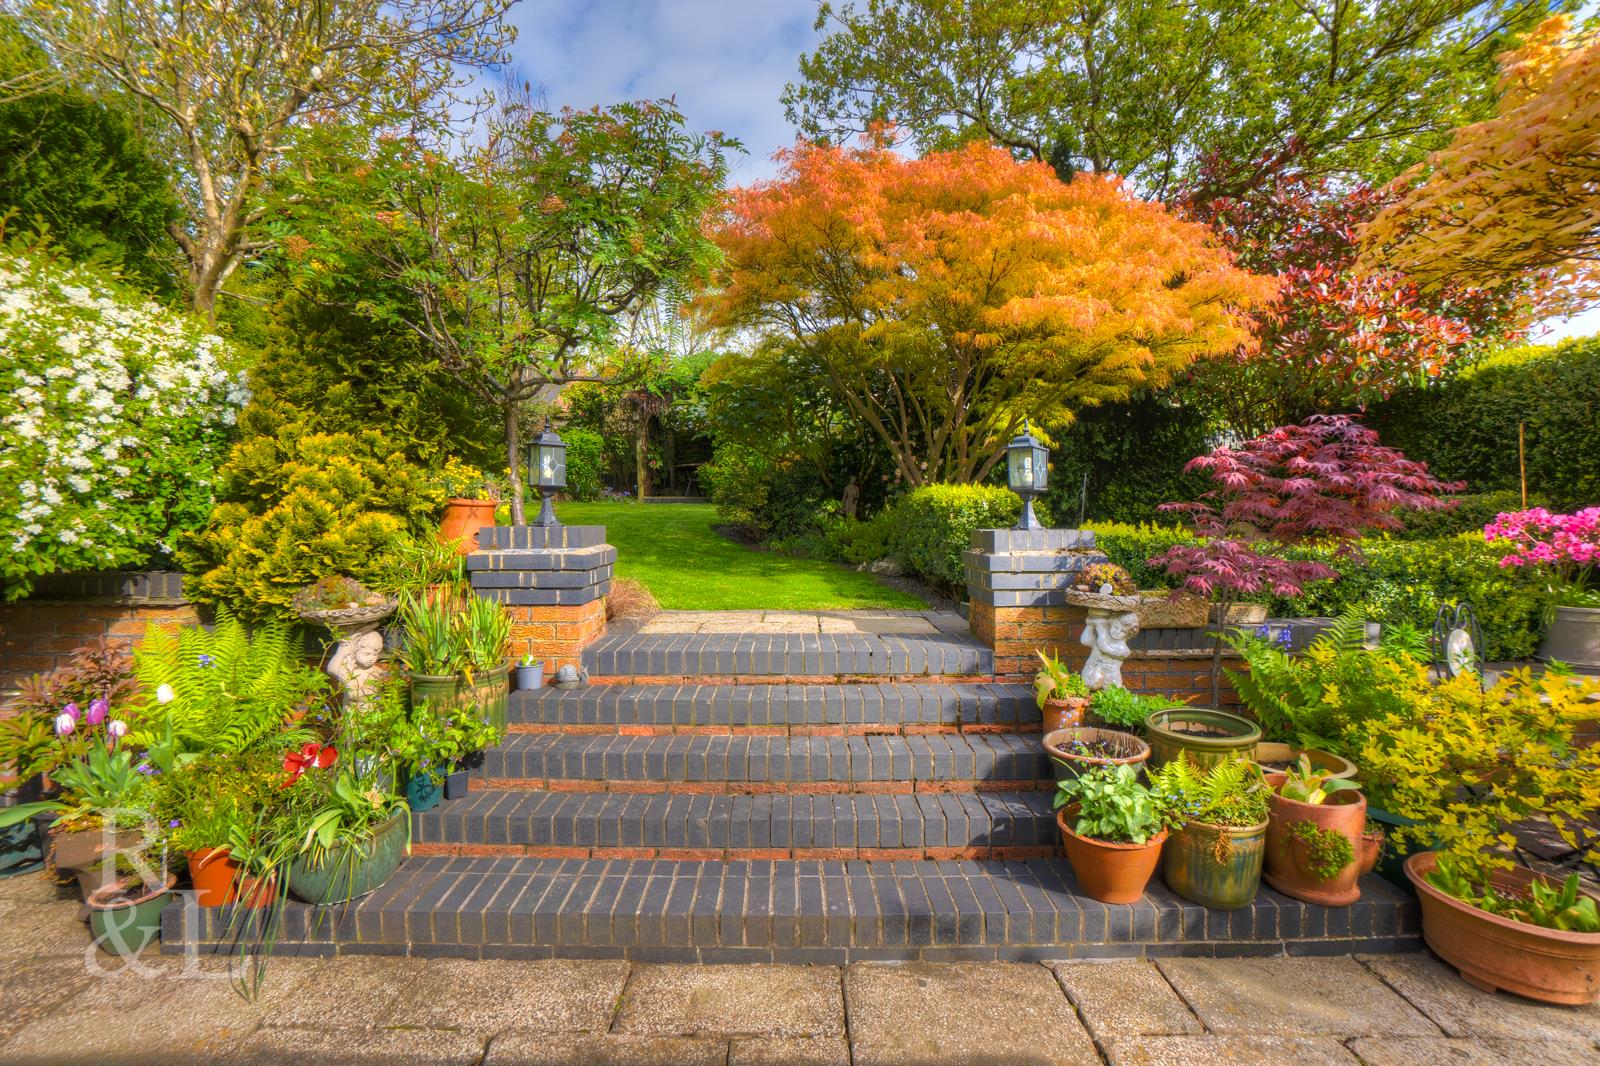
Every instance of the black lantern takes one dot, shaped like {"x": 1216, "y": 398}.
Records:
{"x": 1027, "y": 472}
{"x": 547, "y": 471}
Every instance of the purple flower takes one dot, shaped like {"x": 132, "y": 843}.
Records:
{"x": 71, "y": 710}
{"x": 97, "y": 711}
{"x": 65, "y": 724}
{"x": 174, "y": 824}
{"x": 146, "y": 769}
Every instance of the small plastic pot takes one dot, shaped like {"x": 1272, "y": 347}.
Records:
{"x": 455, "y": 785}
{"x": 422, "y": 792}
{"x": 530, "y": 678}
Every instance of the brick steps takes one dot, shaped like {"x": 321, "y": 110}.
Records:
{"x": 818, "y": 658}
{"x": 665, "y": 825}
{"x": 798, "y": 912}
{"x": 878, "y": 707}
{"x": 764, "y": 762}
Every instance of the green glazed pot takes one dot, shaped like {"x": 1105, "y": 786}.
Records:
{"x": 343, "y": 875}
{"x": 1223, "y": 876}
{"x": 1203, "y": 735}
{"x": 127, "y": 927}
{"x": 435, "y": 690}
{"x": 491, "y": 694}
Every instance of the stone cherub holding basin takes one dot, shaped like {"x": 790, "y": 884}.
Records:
{"x": 354, "y": 615}
{"x": 1110, "y": 597}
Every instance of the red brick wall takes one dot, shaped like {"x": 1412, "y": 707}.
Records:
{"x": 556, "y": 635}
{"x": 36, "y": 636}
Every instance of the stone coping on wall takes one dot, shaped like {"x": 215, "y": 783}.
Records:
{"x": 133, "y": 587}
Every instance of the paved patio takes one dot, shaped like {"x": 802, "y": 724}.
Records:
{"x": 867, "y": 623}
{"x": 58, "y": 1006}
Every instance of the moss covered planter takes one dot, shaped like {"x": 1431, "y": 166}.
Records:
{"x": 1203, "y": 735}
{"x": 1314, "y": 849}
{"x": 347, "y": 872}
{"x": 1217, "y": 866}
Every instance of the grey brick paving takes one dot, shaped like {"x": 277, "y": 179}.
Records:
{"x": 636, "y": 654}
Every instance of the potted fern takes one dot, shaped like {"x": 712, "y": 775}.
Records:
{"x": 1215, "y": 853}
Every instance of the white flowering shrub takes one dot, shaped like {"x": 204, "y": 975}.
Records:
{"x": 114, "y": 416}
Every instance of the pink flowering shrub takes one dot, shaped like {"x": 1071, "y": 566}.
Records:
{"x": 1567, "y": 545}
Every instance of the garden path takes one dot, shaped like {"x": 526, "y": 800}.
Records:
{"x": 61, "y": 1006}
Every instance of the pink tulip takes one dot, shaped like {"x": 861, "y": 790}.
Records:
{"x": 71, "y": 710}
{"x": 117, "y": 729}
{"x": 97, "y": 711}
{"x": 65, "y": 724}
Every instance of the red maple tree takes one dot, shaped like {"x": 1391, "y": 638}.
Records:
{"x": 1327, "y": 480}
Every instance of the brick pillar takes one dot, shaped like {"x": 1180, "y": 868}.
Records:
{"x": 1016, "y": 580}
{"x": 553, "y": 582}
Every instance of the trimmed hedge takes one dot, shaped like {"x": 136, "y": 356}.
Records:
{"x": 932, "y": 526}
{"x": 1394, "y": 581}
{"x": 586, "y": 463}
{"x": 1133, "y": 454}
{"x": 1467, "y": 429}
{"x": 1472, "y": 512}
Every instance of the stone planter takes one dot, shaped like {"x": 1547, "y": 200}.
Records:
{"x": 1573, "y": 638}
{"x": 347, "y": 872}
{"x": 1203, "y": 735}
{"x": 1240, "y": 614}
{"x": 1216, "y": 866}
{"x": 1495, "y": 953}
{"x": 1160, "y": 610}
{"x": 1069, "y": 765}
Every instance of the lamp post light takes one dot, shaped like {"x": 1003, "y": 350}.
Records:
{"x": 1027, "y": 472}
{"x": 547, "y": 471}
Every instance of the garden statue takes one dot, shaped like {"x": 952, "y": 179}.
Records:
{"x": 355, "y": 664}
{"x": 353, "y": 614}
{"x": 1110, "y": 597}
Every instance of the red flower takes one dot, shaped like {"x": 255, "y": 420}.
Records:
{"x": 310, "y": 755}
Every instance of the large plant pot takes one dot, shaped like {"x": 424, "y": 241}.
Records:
{"x": 1290, "y": 861}
{"x": 1573, "y": 638}
{"x": 1064, "y": 713}
{"x": 1282, "y": 756}
{"x": 1068, "y": 765}
{"x": 346, "y": 872}
{"x": 1216, "y": 866}
{"x": 463, "y": 518}
{"x": 1391, "y": 865}
{"x": 126, "y": 926}
{"x": 492, "y": 692}
{"x": 440, "y": 691}
{"x": 1110, "y": 873}
{"x": 1203, "y": 735}
{"x": 1495, "y": 953}
{"x": 215, "y": 877}
{"x": 90, "y": 855}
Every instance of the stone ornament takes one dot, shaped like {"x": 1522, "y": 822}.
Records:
{"x": 1112, "y": 621}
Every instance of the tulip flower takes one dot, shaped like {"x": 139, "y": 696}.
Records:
{"x": 117, "y": 729}
{"x": 97, "y": 711}
{"x": 71, "y": 710}
{"x": 164, "y": 694}
{"x": 65, "y": 724}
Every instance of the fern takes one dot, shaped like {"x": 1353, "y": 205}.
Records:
{"x": 230, "y": 688}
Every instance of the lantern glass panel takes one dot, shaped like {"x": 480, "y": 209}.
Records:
{"x": 1020, "y": 468}
{"x": 550, "y": 465}
{"x": 1041, "y": 468}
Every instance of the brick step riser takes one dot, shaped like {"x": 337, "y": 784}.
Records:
{"x": 725, "y": 677}
{"x": 572, "y": 851}
{"x": 757, "y": 788}
{"x": 877, "y": 729}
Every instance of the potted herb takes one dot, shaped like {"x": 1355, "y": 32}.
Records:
{"x": 1074, "y": 751}
{"x": 1202, "y": 735}
{"x": 1117, "y": 708}
{"x": 530, "y": 673}
{"x": 1218, "y": 842}
{"x": 1314, "y": 836}
{"x": 1113, "y": 828}
{"x": 1062, "y": 695}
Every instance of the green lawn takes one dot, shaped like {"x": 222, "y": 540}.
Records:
{"x": 673, "y": 550}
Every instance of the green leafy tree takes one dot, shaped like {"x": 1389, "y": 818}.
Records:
{"x": 75, "y": 166}
{"x": 227, "y": 84}
{"x": 521, "y": 261}
{"x": 1141, "y": 87}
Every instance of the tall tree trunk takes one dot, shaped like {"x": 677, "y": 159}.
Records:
{"x": 641, "y": 454}
{"x": 514, "y": 464}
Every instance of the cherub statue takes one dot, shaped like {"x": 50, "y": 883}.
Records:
{"x": 1106, "y": 635}
{"x": 355, "y": 665}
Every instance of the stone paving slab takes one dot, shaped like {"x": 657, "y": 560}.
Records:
{"x": 962, "y": 1014}
{"x": 352, "y": 1047}
{"x": 490, "y": 996}
{"x": 1436, "y": 1051}
{"x": 1232, "y": 1050}
{"x": 353, "y": 992}
{"x": 1125, "y": 999}
{"x": 1461, "y": 1010}
{"x": 821, "y": 1051}
{"x": 540, "y": 1049}
{"x": 1330, "y": 996}
{"x": 772, "y": 1001}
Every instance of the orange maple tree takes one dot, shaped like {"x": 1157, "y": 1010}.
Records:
{"x": 1516, "y": 197}
{"x": 948, "y": 297}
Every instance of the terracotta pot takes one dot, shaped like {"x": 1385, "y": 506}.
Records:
{"x": 1217, "y": 866}
{"x": 1370, "y": 851}
{"x": 462, "y": 520}
{"x": 126, "y": 926}
{"x": 1288, "y": 754}
{"x": 1495, "y": 953}
{"x": 1203, "y": 735}
{"x": 1068, "y": 766}
{"x": 215, "y": 877}
{"x": 1289, "y": 858}
{"x": 1063, "y": 713}
{"x": 1109, "y": 872}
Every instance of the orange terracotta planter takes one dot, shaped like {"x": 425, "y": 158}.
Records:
{"x": 1289, "y": 860}
{"x": 1495, "y": 953}
{"x": 1111, "y": 873}
{"x": 462, "y": 520}
{"x": 215, "y": 877}
{"x": 1063, "y": 713}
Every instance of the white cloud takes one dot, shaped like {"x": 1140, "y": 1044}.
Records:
{"x": 726, "y": 61}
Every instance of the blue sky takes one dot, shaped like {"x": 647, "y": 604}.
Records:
{"x": 726, "y": 61}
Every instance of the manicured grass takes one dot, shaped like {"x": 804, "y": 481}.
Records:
{"x": 673, "y": 550}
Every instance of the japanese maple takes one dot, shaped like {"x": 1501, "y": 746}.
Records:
{"x": 1334, "y": 338}
{"x": 1327, "y": 480}
{"x": 948, "y": 297}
